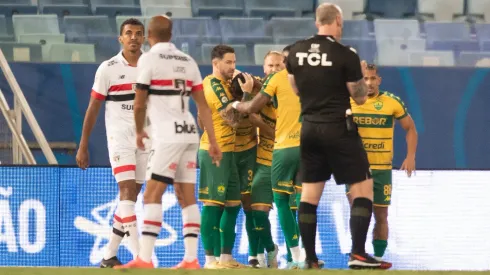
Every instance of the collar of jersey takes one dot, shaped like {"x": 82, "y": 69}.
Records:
{"x": 123, "y": 59}
{"x": 163, "y": 46}
{"x": 324, "y": 36}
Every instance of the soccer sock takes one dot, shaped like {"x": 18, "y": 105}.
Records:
{"x": 289, "y": 255}
{"x": 130, "y": 226}
{"x": 152, "y": 224}
{"x": 379, "y": 247}
{"x": 307, "y": 226}
{"x": 288, "y": 224}
{"x": 263, "y": 226}
{"x": 253, "y": 238}
{"x": 360, "y": 217}
{"x": 227, "y": 230}
{"x": 116, "y": 236}
{"x": 192, "y": 224}
{"x": 209, "y": 221}
{"x": 217, "y": 241}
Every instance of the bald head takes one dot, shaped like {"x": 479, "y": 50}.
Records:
{"x": 327, "y": 13}
{"x": 160, "y": 28}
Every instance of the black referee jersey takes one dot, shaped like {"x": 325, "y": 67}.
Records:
{"x": 321, "y": 67}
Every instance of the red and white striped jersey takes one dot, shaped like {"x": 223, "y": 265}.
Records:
{"x": 115, "y": 83}
{"x": 170, "y": 76}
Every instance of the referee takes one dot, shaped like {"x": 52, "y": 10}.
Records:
{"x": 324, "y": 74}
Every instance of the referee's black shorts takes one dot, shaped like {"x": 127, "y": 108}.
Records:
{"x": 329, "y": 148}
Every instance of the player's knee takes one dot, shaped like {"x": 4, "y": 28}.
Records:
{"x": 246, "y": 202}
{"x": 232, "y": 203}
{"x": 363, "y": 189}
{"x": 128, "y": 190}
{"x": 381, "y": 215}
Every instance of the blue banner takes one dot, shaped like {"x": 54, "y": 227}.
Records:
{"x": 51, "y": 216}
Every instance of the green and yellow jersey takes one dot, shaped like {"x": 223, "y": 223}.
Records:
{"x": 375, "y": 120}
{"x": 288, "y": 109}
{"x": 218, "y": 96}
{"x": 266, "y": 144}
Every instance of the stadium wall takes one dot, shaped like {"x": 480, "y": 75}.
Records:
{"x": 59, "y": 216}
{"x": 447, "y": 104}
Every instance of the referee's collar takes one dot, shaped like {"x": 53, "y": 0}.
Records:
{"x": 324, "y": 36}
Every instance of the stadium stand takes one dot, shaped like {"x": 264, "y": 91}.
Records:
{"x": 378, "y": 29}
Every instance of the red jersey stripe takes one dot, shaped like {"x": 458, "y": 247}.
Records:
{"x": 153, "y": 223}
{"x": 124, "y": 168}
{"x": 197, "y": 88}
{"x": 121, "y": 87}
{"x": 96, "y": 95}
{"x": 129, "y": 219}
{"x": 162, "y": 82}
{"x": 117, "y": 218}
{"x": 188, "y": 83}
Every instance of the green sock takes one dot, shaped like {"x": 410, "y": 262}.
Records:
{"x": 227, "y": 228}
{"x": 209, "y": 220}
{"x": 298, "y": 199}
{"x": 286, "y": 219}
{"x": 253, "y": 238}
{"x": 294, "y": 211}
{"x": 379, "y": 247}
{"x": 263, "y": 225}
{"x": 217, "y": 242}
{"x": 290, "y": 256}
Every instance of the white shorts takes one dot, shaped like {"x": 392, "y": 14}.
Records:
{"x": 169, "y": 162}
{"x": 127, "y": 161}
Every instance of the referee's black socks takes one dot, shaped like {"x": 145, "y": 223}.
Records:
{"x": 307, "y": 228}
{"x": 360, "y": 217}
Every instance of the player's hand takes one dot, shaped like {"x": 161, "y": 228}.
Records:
{"x": 408, "y": 165}
{"x": 215, "y": 153}
{"x": 82, "y": 158}
{"x": 140, "y": 137}
{"x": 248, "y": 85}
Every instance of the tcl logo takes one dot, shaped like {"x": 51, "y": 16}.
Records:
{"x": 185, "y": 128}
{"x": 313, "y": 59}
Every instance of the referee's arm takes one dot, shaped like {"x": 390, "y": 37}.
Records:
{"x": 355, "y": 77}
{"x": 291, "y": 78}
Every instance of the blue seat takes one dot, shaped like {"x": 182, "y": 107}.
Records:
{"x": 447, "y": 31}
{"x": 289, "y": 30}
{"x": 472, "y": 59}
{"x": 86, "y": 26}
{"x": 5, "y": 30}
{"x": 11, "y": 7}
{"x": 244, "y": 31}
{"x": 396, "y": 51}
{"x": 192, "y": 46}
{"x": 393, "y": 28}
{"x": 304, "y": 6}
{"x": 482, "y": 31}
{"x": 244, "y": 56}
{"x": 105, "y": 46}
{"x": 217, "y": 8}
{"x": 114, "y": 8}
{"x": 456, "y": 45}
{"x": 205, "y": 29}
{"x": 392, "y": 9}
{"x": 271, "y": 8}
{"x": 366, "y": 48}
{"x": 11, "y": 52}
{"x": 485, "y": 45}
{"x": 356, "y": 29}
{"x": 35, "y": 24}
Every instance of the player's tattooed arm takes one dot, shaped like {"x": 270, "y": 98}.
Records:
{"x": 251, "y": 107}
{"x": 358, "y": 91}
{"x": 231, "y": 116}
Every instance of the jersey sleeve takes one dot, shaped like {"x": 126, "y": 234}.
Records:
{"x": 196, "y": 78}
{"x": 216, "y": 95}
{"x": 289, "y": 66}
{"x": 144, "y": 75}
{"x": 353, "y": 66}
{"x": 399, "y": 110}
{"x": 101, "y": 83}
{"x": 269, "y": 87}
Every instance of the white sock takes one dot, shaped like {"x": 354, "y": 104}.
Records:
{"x": 225, "y": 258}
{"x": 210, "y": 259}
{"x": 152, "y": 224}
{"x": 252, "y": 258}
{"x": 130, "y": 226}
{"x": 191, "y": 217}
{"x": 261, "y": 259}
{"x": 116, "y": 236}
{"x": 296, "y": 254}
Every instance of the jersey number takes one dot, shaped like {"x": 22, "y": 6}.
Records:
{"x": 180, "y": 84}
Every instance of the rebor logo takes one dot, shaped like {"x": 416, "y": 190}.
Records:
{"x": 185, "y": 128}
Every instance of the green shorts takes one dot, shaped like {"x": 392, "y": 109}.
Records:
{"x": 218, "y": 184}
{"x": 285, "y": 166}
{"x": 262, "y": 186}
{"x": 381, "y": 187}
{"x": 245, "y": 162}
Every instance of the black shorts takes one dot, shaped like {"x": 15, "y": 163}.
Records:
{"x": 329, "y": 148}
